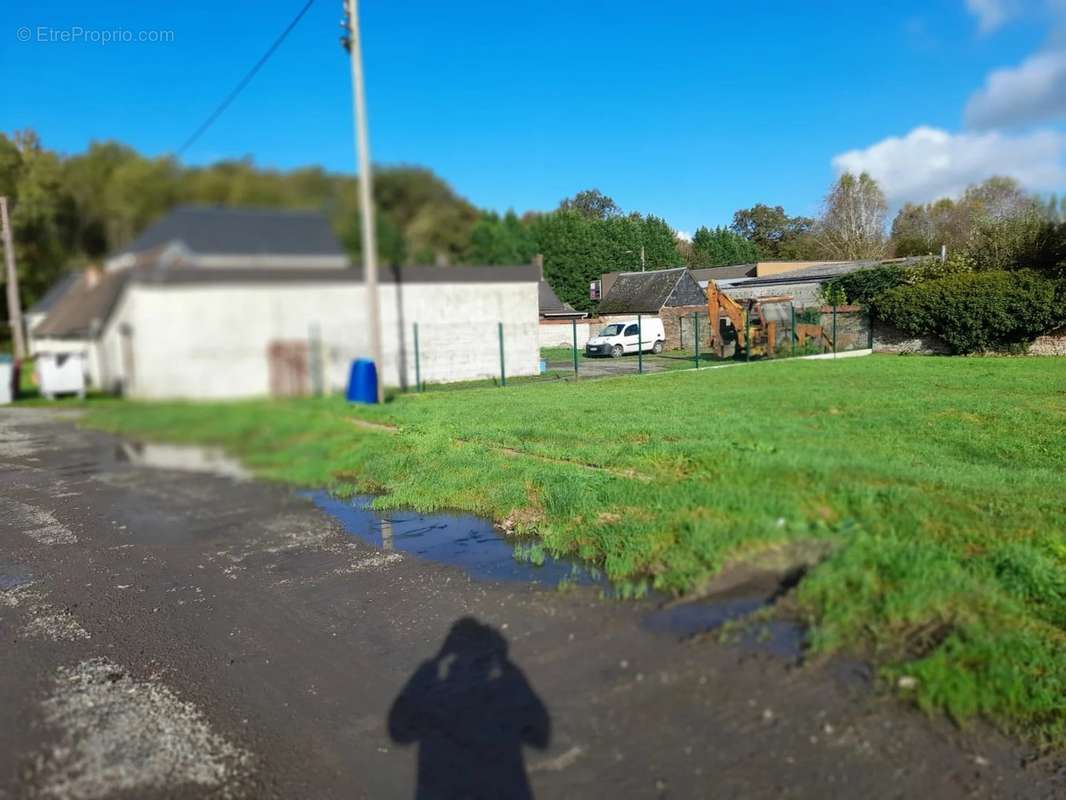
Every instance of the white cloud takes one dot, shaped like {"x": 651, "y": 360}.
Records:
{"x": 1034, "y": 91}
{"x": 991, "y": 14}
{"x": 684, "y": 236}
{"x": 929, "y": 163}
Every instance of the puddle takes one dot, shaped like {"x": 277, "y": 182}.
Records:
{"x": 12, "y": 577}
{"x": 751, "y": 591}
{"x": 468, "y": 542}
{"x": 690, "y": 619}
{"x": 181, "y": 458}
{"x": 778, "y": 637}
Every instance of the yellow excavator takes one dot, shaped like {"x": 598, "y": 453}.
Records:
{"x": 753, "y": 324}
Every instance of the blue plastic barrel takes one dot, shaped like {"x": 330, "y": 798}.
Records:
{"x": 363, "y": 382}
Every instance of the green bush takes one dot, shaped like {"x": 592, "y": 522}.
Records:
{"x": 991, "y": 310}
{"x": 864, "y": 284}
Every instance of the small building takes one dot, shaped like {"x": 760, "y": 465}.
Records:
{"x": 274, "y": 308}
{"x": 559, "y": 321}
{"x": 669, "y": 294}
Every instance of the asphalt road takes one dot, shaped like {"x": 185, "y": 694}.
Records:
{"x": 169, "y": 634}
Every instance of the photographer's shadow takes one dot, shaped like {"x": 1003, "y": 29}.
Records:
{"x": 471, "y": 710}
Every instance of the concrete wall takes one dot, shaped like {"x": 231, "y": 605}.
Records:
{"x": 559, "y": 333}
{"x": 211, "y": 340}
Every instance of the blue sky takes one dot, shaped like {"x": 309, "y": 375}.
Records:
{"x": 689, "y": 110}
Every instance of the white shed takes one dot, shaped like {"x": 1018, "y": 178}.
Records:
{"x": 246, "y": 332}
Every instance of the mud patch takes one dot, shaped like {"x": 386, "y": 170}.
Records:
{"x": 467, "y": 542}
{"x": 118, "y": 734}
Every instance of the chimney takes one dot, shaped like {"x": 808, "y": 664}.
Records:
{"x": 92, "y": 276}
{"x": 538, "y": 262}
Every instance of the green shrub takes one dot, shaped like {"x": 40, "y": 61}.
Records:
{"x": 991, "y": 310}
{"x": 864, "y": 284}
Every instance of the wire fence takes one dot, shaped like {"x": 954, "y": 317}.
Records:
{"x": 500, "y": 355}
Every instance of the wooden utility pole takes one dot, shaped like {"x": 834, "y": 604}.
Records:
{"x": 366, "y": 194}
{"x": 14, "y": 308}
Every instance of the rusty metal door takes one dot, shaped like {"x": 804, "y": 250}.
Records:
{"x": 290, "y": 374}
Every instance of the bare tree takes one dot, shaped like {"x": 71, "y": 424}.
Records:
{"x": 852, "y": 225}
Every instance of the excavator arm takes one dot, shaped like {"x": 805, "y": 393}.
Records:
{"x": 718, "y": 303}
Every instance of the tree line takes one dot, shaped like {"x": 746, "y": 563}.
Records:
{"x": 71, "y": 211}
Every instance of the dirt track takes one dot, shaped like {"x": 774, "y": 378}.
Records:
{"x": 168, "y": 634}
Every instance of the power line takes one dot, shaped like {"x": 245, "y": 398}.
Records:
{"x": 245, "y": 80}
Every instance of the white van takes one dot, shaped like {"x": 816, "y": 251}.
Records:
{"x": 625, "y": 337}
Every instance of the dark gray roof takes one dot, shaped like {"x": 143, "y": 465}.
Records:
{"x": 821, "y": 272}
{"x": 648, "y": 292}
{"x": 175, "y": 275}
{"x": 54, "y": 293}
{"x": 724, "y": 273}
{"x": 89, "y": 301}
{"x": 551, "y": 305}
{"x": 241, "y": 231}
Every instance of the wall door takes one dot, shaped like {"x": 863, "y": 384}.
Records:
{"x": 290, "y": 374}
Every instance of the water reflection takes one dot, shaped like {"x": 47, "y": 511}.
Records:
{"x": 468, "y": 542}
{"x": 181, "y": 458}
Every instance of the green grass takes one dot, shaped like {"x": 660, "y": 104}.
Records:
{"x": 943, "y": 482}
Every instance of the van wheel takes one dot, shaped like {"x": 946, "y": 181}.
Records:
{"x": 657, "y": 348}
{"x": 616, "y": 351}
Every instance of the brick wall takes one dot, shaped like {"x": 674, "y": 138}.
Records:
{"x": 680, "y": 327}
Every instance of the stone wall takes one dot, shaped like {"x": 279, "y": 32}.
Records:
{"x": 1050, "y": 344}
{"x": 681, "y": 329}
{"x": 890, "y": 339}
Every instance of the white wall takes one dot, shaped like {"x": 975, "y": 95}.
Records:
{"x": 211, "y": 340}
{"x": 561, "y": 334}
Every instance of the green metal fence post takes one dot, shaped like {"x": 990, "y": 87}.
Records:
{"x": 696, "y": 329}
{"x": 640, "y": 347}
{"x": 792, "y": 330}
{"x": 573, "y": 324}
{"x": 834, "y": 329}
{"x": 418, "y": 363}
{"x": 503, "y": 372}
{"x": 681, "y": 331}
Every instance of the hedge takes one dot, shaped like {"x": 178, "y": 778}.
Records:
{"x": 976, "y": 311}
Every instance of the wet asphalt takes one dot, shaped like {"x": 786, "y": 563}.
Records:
{"x": 166, "y": 633}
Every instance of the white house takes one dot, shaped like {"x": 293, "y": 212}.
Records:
{"x": 182, "y": 320}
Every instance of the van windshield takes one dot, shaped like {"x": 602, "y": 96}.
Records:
{"x": 612, "y": 330}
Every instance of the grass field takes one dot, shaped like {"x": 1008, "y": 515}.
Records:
{"x": 942, "y": 481}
